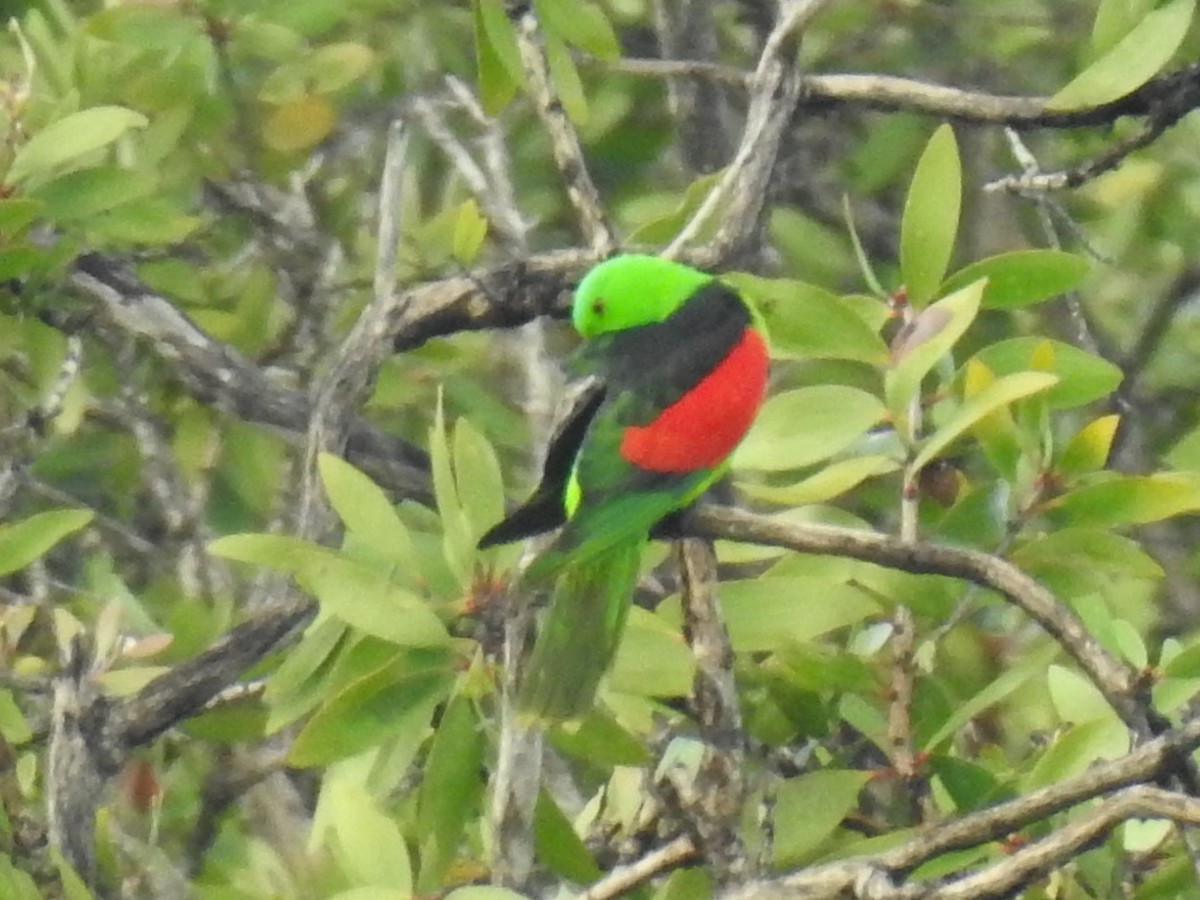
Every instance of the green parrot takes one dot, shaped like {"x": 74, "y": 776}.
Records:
{"x": 680, "y": 371}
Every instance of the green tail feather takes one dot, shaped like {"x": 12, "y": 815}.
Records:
{"x": 580, "y": 634}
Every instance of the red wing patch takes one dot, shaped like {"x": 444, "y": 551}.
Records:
{"x": 703, "y": 426}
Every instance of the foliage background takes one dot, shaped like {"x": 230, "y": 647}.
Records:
{"x": 243, "y": 243}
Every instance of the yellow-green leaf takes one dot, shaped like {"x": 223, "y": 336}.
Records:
{"x": 1129, "y": 500}
{"x": 1088, "y": 450}
{"x": 930, "y": 221}
{"x": 996, "y": 396}
{"x": 1132, "y": 62}
{"x": 798, "y": 428}
{"x": 71, "y": 137}
{"x": 832, "y": 481}
{"x": 24, "y": 541}
{"x": 810, "y": 807}
{"x": 951, "y": 316}
{"x": 470, "y": 229}
{"x": 365, "y": 509}
{"x": 299, "y": 124}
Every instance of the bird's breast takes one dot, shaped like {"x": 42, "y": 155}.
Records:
{"x": 701, "y": 428}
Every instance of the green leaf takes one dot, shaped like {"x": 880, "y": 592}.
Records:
{"x": 580, "y": 23}
{"x": 1075, "y": 698}
{"x": 1114, "y": 20}
{"x": 1130, "y": 643}
{"x": 936, "y": 330}
{"x": 335, "y": 66}
{"x": 1144, "y": 835}
{"x": 559, "y": 848}
{"x": 659, "y": 227}
{"x": 1129, "y": 500}
{"x": 396, "y": 697}
{"x": 1022, "y": 277}
{"x": 373, "y": 604}
{"x": 600, "y": 741}
{"x": 652, "y": 660}
{"x": 808, "y": 808}
{"x": 497, "y": 59}
{"x": 367, "y": 844}
{"x": 23, "y": 542}
{"x": 1077, "y": 748}
{"x": 1185, "y": 453}
{"x": 71, "y": 137}
{"x": 930, "y": 221}
{"x": 767, "y": 613}
{"x": 372, "y": 892}
{"x": 144, "y": 220}
{"x": 12, "y": 721}
{"x": 804, "y": 426}
{"x": 999, "y": 394}
{"x": 1085, "y": 549}
{"x": 565, "y": 78}
{"x": 470, "y": 230}
{"x": 832, "y": 481}
{"x": 356, "y": 593}
{"x": 457, "y": 545}
{"x": 365, "y": 509}
{"x": 1082, "y": 377}
{"x": 1132, "y": 62}
{"x": 477, "y": 474}
{"x": 16, "y": 213}
{"x": 293, "y": 689}
{"x": 449, "y": 791}
{"x": 484, "y": 892}
{"x": 808, "y": 322}
{"x": 79, "y": 195}
{"x": 1032, "y": 665}
{"x": 1185, "y": 663}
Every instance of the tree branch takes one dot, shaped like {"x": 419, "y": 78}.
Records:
{"x": 1177, "y": 91}
{"x": 568, "y": 155}
{"x": 1119, "y": 684}
{"x": 1151, "y": 761}
{"x": 216, "y": 373}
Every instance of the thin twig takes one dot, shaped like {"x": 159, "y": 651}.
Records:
{"x": 564, "y": 142}
{"x": 742, "y": 187}
{"x": 626, "y": 878}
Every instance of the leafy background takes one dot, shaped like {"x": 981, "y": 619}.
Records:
{"x": 219, "y": 219}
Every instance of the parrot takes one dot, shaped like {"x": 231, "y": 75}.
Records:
{"x": 678, "y": 366}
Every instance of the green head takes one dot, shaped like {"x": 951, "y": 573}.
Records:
{"x": 631, "y": 290}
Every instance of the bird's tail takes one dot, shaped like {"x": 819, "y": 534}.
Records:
{"x": 580, "y": 633}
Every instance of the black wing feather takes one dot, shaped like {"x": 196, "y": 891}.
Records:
{"x": 544, "y": 511}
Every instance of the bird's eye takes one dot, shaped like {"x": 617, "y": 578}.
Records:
{"x": 598, "y": 306}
